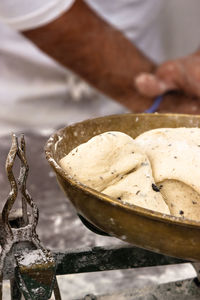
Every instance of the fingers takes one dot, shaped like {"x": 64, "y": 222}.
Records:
{"x": 151, "y": 85}
{"x": 168, "y": 77}
{"x": 183, "y": 73}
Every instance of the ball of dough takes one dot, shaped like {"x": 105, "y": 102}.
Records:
{"x": 113, "y": 163}
{"x": 174, "y": 154}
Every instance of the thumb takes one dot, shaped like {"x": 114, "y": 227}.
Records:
{"x": 151, "y": 86}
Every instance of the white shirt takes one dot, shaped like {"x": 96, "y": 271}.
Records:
{"x": 28, "y": 74}
{"x": 136, "y": 18}
{"x": 28, "y": 14}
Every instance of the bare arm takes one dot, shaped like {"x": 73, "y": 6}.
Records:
{"x": 83, "y": 42}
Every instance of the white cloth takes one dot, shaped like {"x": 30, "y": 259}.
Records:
{"x": 23, "y": 14}
{"x": 138, "y": 20}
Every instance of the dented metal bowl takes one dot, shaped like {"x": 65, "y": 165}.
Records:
{"x": 144, "y": 228}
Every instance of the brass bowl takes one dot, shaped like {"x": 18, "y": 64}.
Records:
{"x": 144, "y": 228}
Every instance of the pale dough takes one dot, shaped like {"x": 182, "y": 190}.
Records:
{"x": 174, "y": 154}
{"x": 181, "y": 199}
{"x": 113, "y": 163}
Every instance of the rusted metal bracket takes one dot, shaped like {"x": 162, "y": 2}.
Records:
{"x": 98, "y": 259}
{"x": 23, "y": 258}
{"x": 35, "y": 273}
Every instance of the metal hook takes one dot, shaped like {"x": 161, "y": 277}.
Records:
{"x": 13, "y": 184}
{"x": 26, "y": 198}
{"x": 35, "y": 280}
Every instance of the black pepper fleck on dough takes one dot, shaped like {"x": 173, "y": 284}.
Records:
{"x": 181, "y": 212}
{"x": 155, "y": 188}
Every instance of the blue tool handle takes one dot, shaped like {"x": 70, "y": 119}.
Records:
{"x": 155, "y": 105}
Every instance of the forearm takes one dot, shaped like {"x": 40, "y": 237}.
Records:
{"x": 83, "y": 42}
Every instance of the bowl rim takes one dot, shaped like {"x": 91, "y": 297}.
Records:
{"x": 147, "y": 213}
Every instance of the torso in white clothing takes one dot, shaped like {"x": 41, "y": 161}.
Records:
{"x": 26, "y": 73}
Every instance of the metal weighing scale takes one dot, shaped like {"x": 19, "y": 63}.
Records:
{"x": 163, "y": 240}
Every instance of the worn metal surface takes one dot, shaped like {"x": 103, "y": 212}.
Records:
{"x": 15, "y": 292}
{"x": 147, "y": 229}
{"x": 109, "y": 258}
{"x": 180, "y": 290}
{"x": 23, "y": 259}
{"x": 35, "y": 274}
{"x": 69, "y": 232}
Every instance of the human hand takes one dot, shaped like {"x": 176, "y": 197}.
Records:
{"x": 181, "y": 74}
